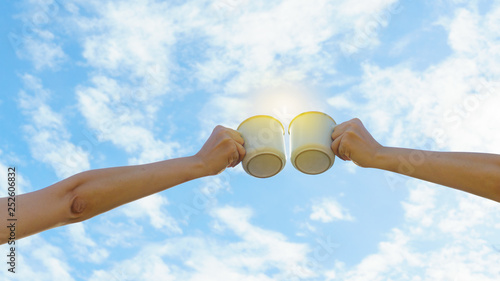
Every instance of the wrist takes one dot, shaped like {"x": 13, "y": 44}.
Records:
{"x": 391, "y": 159}
{"x": 381, "y": 159}
{"x": 198, "y": 167}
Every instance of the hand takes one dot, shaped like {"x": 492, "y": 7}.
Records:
{"x": 351, "y": 141}
{"x": 224, "y": 148}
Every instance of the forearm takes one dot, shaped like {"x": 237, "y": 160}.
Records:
{"x": 476, "y": 173}
{"x": 104, "y": 189}
{"x": 90, "y": 193}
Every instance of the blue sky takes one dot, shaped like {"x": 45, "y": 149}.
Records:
{"x": 93, "y": 84}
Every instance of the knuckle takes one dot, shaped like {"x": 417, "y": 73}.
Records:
{"x": 349, "y": 134}
{"x": 346, "y": 146}
{"x": 220, "y": 130}
{"x": 355, "y": 123}
{"x": 226, "y": 141}
{"x": 232, "y": 148}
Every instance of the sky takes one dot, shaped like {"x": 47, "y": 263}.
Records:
{"x": 93, "y": 84}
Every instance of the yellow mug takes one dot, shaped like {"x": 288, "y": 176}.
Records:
{"x": 310, "y": 142}
{"x": 264, "y": 144}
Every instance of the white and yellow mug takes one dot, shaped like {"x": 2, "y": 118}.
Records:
{"x": 310, "y": 142}
{"x": 264, "y": 144}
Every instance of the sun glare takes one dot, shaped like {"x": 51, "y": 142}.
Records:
{"x": 285, "y": 102}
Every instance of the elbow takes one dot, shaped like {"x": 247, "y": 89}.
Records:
{"x": 77, "y": 205}
{"x": 77, "y": 208}
{"x": 83, "y": 201}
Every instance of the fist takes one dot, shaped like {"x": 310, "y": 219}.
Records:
{"x": 351, "y": 141}
{"x": 224, "y": 148}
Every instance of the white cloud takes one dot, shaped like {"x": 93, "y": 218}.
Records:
{"x": 281, "y": 100}
{"x": 51, "y": 257}
{"x": 456, "y": 97}
{"x": 463, "y": 32}
{"x": 387, "y": 263}
{"x": 153, "y": 207}
{"x": 143, "y": 267}
{"x": 213, "y": 185}
{"x": 462, "y": 252}
{"x": 43, "y": 54}
{"x": 256, "y": 254}
{"x": 130, "y": 38}
{"x": 328, "y": 210}
{"x": 23, "y": 185}
{"x": 33, "y": 41}
{"x": 46, "y": 132}
{"x": 462, "y": 261}
{"x": 301, "y": 45}
{"x": 38, "y": 259}
{"x": 366, "y": 20}
{"x": 122, "y": 115}
{"x": 139, "y": 41}
{"x": 114, "y": 231}
{"x": 84, "y": 247}
{"x": 340, "y": 102}
{"x": 421, "y": 203}
{"x": 470, "y": 211}
{"x": 447, "y": 105}
{"x": 402, "y": 44}
{"x": 259, "y": 44}
{"x": 134, "y": 42}
{"x": 3, "y": 178}
{"x": 273, "y": 246}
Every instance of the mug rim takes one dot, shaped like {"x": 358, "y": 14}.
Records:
{"x": 309, "y": 112}
{"x": 260, "y": 116}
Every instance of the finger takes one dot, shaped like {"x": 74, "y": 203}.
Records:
{"x": 237, "y": 155}
{"x": 218, "y": 128}
{"x": 346, "y": 155}
{"x": 336, "y": 146}
{"x": 233, "y": 160}
{"x": 241, "y": 152}
{"x": 236, "y": 136}
{"x": 339, "y": 130}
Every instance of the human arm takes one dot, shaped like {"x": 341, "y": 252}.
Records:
{"x": 93, "y": 192}
{"x": 476, "y": 173}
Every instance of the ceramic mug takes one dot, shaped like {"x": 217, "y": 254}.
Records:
{"x": 264, "y": 144}
{"x": 310, "y": 142}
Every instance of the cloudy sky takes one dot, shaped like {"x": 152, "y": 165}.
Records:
{"x": 93, "y": 84}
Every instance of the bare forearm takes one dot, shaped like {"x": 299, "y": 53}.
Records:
{"x": 476, "y": 173}
{"x": 90, "y": 193}
{"x": 104, "y": 189}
